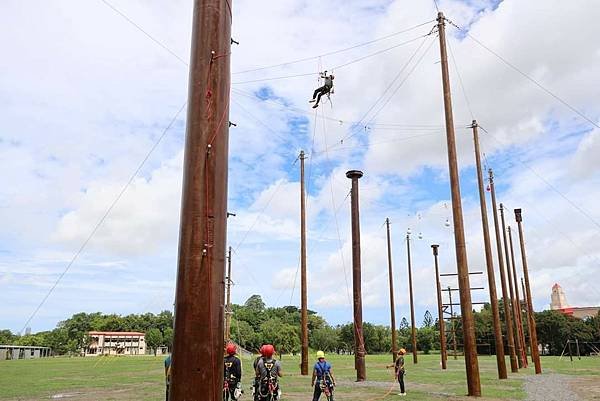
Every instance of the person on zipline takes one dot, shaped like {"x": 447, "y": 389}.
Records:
{"x": 399, "y": 370}
{"x": 323, "y": 377}
{"x": 323, "y": 90}
{"x": 232, "y": 388}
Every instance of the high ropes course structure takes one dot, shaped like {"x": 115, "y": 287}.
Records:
{"x": 200, "y": 296}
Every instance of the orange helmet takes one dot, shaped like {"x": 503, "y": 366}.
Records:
{"x": 231, "y": 349}
{"x": 267, "y": 350}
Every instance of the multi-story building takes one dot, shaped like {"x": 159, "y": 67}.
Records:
{"x": 116, "y": 343}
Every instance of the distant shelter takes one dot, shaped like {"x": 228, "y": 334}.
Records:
{"x": 116, "y": 343}
{"x": 8, "y": 352}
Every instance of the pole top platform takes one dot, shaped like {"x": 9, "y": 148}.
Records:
{"x": 352, "y": 174}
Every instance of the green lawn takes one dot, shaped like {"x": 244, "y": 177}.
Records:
{"x": 141, "y": 378}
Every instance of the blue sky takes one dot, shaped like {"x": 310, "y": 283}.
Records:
{"x": 86, "y": 95}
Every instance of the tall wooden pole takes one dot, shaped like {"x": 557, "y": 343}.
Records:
{"x": 441, "y": 321}
{"x": 197, "y": 359}
{"x": 359, "y": 344}
{"x": 452, "y": 324}
{"x": 514, "y": 367}
{"x": 228, "y": 310}
{"x": 519, "y": 317}
{"x": 535, "y": 353}
{"x": 412, "y": 305}
{"x": 303, "y": 284}
{"x": 526, "y": 312}
{"x": 468, "y": 324}
{"x": 518, "y": 346}
{"x": 392, "y": 303}
{"x": 499, "y": 343}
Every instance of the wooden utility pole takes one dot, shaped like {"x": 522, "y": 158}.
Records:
{"x": 470, "y": 343}
{"x": 197, "y": 359}
{"x": 392, "y": 304}
{"x": 514, "y": 367}
{"x": 452, "y": 324}
{"x": 499, "y": 343}
{"x": 359, "y": 344}
{"x": 535, "y": 353}
{"x": 441, "y": 321}
{"x": 228, "y": 310}
{"x": 519, "y": 349}
{"x": 519, "y": 316}
{"x": 303, "y": 284}
{"x": 412, "y": 305}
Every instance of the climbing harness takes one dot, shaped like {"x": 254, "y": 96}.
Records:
{"x": 269, "y": 389}
{"x": 324, "y": 382}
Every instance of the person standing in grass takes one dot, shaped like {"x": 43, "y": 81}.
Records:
{"x": 399, "y": 370}
{"x": 323, "y": 377}
{"x": 167, "y": 375}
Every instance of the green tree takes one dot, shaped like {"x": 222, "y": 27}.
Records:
{"x": 255, "y": 303}
{"x": 154, "y": 339}
{"x": 426, "y": 338}
{"x": 168, "y": 338}
{"x": 6, "y": 337}
{"x": 325, "y": 339}
{"x": 244, "y": 335}
{"x": 428, "y": 319}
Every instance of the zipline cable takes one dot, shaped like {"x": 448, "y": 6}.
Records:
{"x": 552, "y": 187}
{"x": 278, "y": 102}
{"x": 104, "y": 216}
{"x": 142, "y": 30}
{"x": 404, "y": 67}
{"x": 332, "y": 68}
{"x": 528, "y": 77}
{"x": 462, "y": 86}
{"x": 334, "y": 51}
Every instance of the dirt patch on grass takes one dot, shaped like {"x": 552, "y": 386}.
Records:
{"x": 587, "y": 388}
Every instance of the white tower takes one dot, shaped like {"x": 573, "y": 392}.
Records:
{"x": 559, "y": 300}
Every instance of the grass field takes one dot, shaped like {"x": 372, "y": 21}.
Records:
{"x": 141, "y": 378}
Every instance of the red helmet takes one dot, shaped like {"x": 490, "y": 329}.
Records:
{"x": 267, "y": 350}
{"x": 231, "y": 349}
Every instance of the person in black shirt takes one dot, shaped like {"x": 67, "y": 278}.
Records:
{"x": 232, "y": 374}
{"x": 323, "y": 90}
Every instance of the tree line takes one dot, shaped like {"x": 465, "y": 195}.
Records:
{"x": 71, "y": 336}
{"x": 254, "y": 324}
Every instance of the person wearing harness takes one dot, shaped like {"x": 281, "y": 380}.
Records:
{"x": 167, "y": 375}
{"x": 323, "y": 90}
{"x": 322, "y": 378}
{"x": 256, "y": 383}
{"x": 399, "y": 370}
{"x": 232, "y": 373}
{"x": 268, "y": 372}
